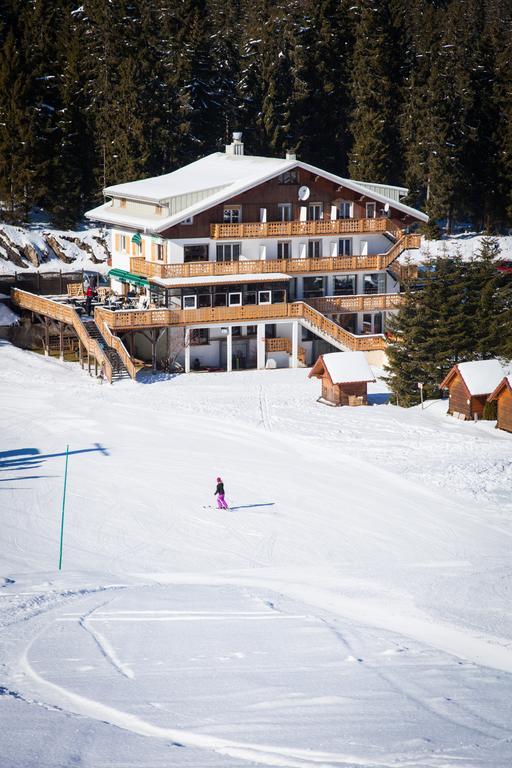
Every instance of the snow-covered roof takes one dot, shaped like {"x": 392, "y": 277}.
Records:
{"x": 208, "y": 182}
{"x": 481, "y": 376}
{"x": 250, "y": 277}
{"x": 347, "y": 367}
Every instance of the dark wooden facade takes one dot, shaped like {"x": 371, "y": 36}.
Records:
{"x": 503, "y": 397}
{"x": 269, "y": 194}
{"x": 339, "y": 393}
{"x": 460, "y": 399}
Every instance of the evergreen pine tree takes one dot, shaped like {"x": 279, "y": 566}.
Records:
{"x": 17, "y": 134}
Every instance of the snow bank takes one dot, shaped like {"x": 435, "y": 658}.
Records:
{"x": 29, "y": 249}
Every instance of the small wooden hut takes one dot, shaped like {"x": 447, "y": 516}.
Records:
{"x": 469, "y": 385}
{"x": 345, "y": 377}
{"x": 503, "y": 397}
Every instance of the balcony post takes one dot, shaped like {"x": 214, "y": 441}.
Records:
{"x": 295, "y": 344}
{"x": 229, "y": 350}
{"x": 260, "y": 346}
{"x": 187, "y": 350}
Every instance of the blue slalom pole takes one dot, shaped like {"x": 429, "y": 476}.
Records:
{"x": 63, "y": 507}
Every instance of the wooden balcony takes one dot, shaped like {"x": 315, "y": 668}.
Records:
{"x": 301, "y": 228}
{"x": 140, "y": 266}
{"x": 282, "y": 344}
{"x": 132, "y": 320}
{"x": 359, "y": 303}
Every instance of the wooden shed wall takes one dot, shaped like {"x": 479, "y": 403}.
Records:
{"x": 505, "y": 410}
{"x": 458, "y": 398}
{"x": 338, "y": 394}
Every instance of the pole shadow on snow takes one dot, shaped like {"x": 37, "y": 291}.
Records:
{"x": 250, "y": 506}
{"x": 32, "y": 458}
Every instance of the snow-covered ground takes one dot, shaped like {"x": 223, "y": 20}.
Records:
{"x": 467, "y": 245}
{"x": 352, "y": 608}
{"x": 83, "y": 249}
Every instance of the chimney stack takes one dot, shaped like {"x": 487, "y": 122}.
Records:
{"x": 236, "y": 147}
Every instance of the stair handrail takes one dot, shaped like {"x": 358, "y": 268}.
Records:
{"x": 65, "y": 314}
{"x": 114, "y": 342}
{"x": 330, "y": 328}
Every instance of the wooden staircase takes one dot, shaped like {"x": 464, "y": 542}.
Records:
{"x": 109, "y": 357}
{"x": 119, "y": 370}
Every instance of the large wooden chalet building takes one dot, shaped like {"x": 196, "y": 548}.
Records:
{"x": 243, "y": 258}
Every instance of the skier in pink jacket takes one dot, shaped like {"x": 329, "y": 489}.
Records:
{"x": 219, "y": 492}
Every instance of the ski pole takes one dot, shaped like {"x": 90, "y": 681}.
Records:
{"x": 63, "y": 507}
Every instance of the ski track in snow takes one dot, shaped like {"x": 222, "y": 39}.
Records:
{"x": 103, "y": 644}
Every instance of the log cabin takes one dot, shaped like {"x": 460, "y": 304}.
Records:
{"x": 469, "y": 385}
{"x": 344, "y": 377}
{"x": 502, "y": 395}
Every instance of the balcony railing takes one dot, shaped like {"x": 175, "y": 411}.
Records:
{"x": 158, "y": 318}
{"x": 358, "y": 303}
{"x": 140, "y": 266}
{"x": 298, "y": 228}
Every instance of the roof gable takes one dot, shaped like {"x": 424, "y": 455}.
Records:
{"x": 480, "y": 377}
{"x": 220, "y": 177}
{"x": 505, "y": 383}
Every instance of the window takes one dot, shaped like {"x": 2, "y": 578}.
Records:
{"x": 374, "y": 283}
{"x": 344, "y": 210}
{"x": 284, "y": 250}
{"x": 314, "y": 249}
{"x": 348, "y": 321}
{"x": 289, "y": 177}
{"x": 220, "y": 299}
{"x": 344, "y": 285}
{"x": 285, "y": 211}
{"x": 189, "y": 302}
{"x": 235, "y": 299}
{"x": 250, "y": 297}
{"x": 251, "y": 330}
{"x": 313, "y": 287}
{"x": 315, "y": 211}
{"x": 371, "y": 210}
{"x": 204, "y": 300}
{"x": 377, "y": 322}
{"x": 232, "y": 215}
{"x": 264, "y": 297}
{"x": 188, "y": 220}
{"x": 367, "y": 323}
{"x": 228, "y": 251}
{"x": 236, "y": 330}
{"x": 279, "y": 296}
{"x": 160, "y": 251}
{"x": 199, "y": 336}
{"x": 345, "y": 247}
{"x": 195, "y": 253}
{"x": 122, "y": 241}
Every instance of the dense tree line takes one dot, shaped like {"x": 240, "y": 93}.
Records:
{"x": 410, "y": 92}
{"x": 453, "y": 311}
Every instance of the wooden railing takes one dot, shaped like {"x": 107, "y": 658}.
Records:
{"x": 65, "y": 314}
{"x": 304, "y": 228}
{"x": 114, "y": 342}
{"x": 140, "y": 266}
{"x": 358, "y": 303}
{"x": 137, "y": 319}
{"x": 282, "y": 344}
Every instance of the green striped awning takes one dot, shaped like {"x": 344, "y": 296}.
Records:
{"x": 128, "y": 277}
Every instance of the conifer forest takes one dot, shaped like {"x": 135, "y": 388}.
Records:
{"x": 409, "y": 92}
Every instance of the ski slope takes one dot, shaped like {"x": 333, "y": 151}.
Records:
{"x": 352, "y": 609}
